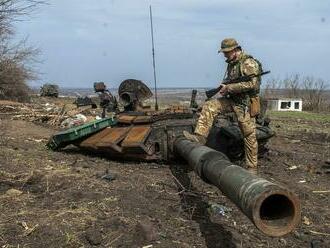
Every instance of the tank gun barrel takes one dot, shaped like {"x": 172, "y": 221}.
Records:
{"x": 127, "y": 97}
{"x": 273, "y": 209}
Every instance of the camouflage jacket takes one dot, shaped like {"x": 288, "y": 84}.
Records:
{"x": 244, "y": 65}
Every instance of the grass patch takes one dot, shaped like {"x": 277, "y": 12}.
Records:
{"x": 308, "y": 116}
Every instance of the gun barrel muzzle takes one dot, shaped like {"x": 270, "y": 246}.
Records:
{"x": 273, "y": 209}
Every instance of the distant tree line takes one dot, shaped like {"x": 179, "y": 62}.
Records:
{"x": 313, "y": 91}
{"x": 16, "y": 58}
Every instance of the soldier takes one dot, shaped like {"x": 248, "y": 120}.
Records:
{"x": 240, "y": 98}
{"x": 108, "y": 102}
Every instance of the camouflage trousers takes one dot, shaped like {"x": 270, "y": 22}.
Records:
{"x": 246, "y": 124}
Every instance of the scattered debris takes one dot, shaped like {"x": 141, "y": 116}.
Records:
{"x": 31, "y": 230}
{"x": 319, "y": 233}
{"x": 36, "y": 140}
{"x": 14, "y": 192}
{"x": 77, "y": 120}
{"x": 219, "y": 209}
{"x": 321, "y": 191}
{"x": 306, "y": 221}
{"x": 28, "y": 230}
{"x": 48, "y": 113}
{"x": 294, "y": 167}
{"x": 109, "y": 177}
{"x": 283, "y": 241}
{"x": 25, "y": 225}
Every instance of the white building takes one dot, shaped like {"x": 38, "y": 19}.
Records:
{"x": 284, "y": 104}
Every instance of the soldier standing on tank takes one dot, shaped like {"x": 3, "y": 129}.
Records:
{"x": 241, "y": 98}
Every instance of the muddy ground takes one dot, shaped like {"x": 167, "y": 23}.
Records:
{"x": 62, "y": 199}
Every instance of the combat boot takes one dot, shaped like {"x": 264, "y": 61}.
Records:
{"x": 195, "y": 137}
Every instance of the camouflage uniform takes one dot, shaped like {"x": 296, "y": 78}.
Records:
{"x": 237, "y": 102}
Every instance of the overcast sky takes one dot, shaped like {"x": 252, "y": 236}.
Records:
{"x": 83, "y": 41}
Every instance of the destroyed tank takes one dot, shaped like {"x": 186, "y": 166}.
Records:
{"x": 140, "y": 133}
{"x": 144, "y": 134}
{"x": 50, "y": 90}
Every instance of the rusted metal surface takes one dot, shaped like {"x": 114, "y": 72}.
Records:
{"x": 154, "y": 116}
{"x": 153, "y": 134}
{"x": 140, "y": 142}
{"x": 113, "y": 138}
{"x": 156, "y": 141}
{"x": 143, "y": 119}
{"x": 273, "y": 209}
{"x": 135, "y": 140}
{"x": 136, "y": 135}
{"x": 91, "y": 141}
{"x": 132, "y": 89}
{"x": 125, "y": 142}
{"x": 126, "y": 119}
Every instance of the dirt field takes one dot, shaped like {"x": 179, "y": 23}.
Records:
{"x": 61, "y": 199}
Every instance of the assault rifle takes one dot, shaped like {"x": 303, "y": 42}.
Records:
{"x": 210, "y": 93}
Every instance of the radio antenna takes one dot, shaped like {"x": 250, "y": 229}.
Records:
{"x": 153, "y": 59}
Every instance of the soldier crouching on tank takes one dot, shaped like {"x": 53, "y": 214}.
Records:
{"x": 241, "y": 98}
{"x": 108, "y": 102}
